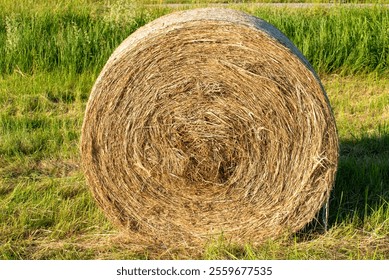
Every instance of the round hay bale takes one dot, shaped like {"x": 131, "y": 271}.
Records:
{"x": 209, "y": 121}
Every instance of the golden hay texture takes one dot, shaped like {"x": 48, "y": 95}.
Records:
{"x": 204, "y": 122}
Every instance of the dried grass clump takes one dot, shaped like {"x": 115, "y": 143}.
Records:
{"x": 208, "y": 121}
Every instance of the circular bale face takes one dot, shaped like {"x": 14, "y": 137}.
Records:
{"x": 205, "y": 122}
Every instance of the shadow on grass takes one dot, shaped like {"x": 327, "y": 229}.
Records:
{"x": 361, "y": 186}
{"x": 362, "y": 182}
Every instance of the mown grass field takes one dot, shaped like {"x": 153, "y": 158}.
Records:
{"x": 50, "y": 55}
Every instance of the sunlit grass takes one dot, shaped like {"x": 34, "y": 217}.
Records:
{"x": 335, "y": 40}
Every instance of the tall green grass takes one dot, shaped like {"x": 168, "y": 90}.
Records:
{"x": 334, "y": 40}
{"x": 68, "y": 41}
{"x": 338, "y": 40}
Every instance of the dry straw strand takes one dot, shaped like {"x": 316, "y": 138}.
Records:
{"x": 207, "y": 121}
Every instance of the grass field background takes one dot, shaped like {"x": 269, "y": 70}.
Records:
{"x": 50, "y": 55}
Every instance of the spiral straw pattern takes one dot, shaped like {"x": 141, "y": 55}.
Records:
{"x": 209, "y": 121}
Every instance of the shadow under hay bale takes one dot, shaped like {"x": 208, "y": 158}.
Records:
{"x": 208, "y": 121}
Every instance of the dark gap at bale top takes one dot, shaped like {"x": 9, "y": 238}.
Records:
{"x": 209, "y": 121}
